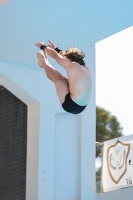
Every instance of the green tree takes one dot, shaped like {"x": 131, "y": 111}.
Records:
{"x": 107, "y": 127}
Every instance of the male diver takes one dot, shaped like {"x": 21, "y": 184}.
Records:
{"x": 74, "y": 92}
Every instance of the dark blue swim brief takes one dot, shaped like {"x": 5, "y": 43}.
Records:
{"x": 70, "y": 106}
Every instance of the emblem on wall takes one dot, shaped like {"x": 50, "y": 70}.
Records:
{"x": 117, "y": 156}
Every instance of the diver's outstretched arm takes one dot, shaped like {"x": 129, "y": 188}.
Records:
{"x": 66, "y": 63}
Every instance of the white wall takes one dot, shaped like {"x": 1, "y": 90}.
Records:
{"x": 114, "y": 67}
{"x": 66, "y": 150}
{"x": 114, "y": 62}
{"x": 66, "y": 142}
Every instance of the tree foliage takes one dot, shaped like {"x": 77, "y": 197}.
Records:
{"x": 107, "y": 127}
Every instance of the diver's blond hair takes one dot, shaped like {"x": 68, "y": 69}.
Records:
{"x": 75, "y": 55}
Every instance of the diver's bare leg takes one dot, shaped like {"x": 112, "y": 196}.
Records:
{"x": 61, "y": 83}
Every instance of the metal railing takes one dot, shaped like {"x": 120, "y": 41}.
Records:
{"x": 99, "y": 179}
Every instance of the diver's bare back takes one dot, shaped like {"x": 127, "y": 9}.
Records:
{"x": 80, "y": 83}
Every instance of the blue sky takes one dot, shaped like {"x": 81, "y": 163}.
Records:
{"x": 67, "y": 23}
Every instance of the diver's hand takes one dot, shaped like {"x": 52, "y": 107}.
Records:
{"x": 39, "y": 44}
{"x": 51, "y": 45}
